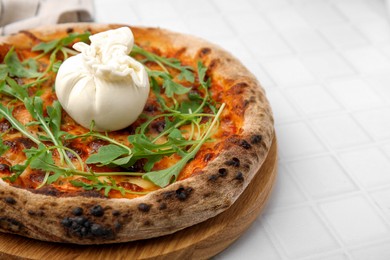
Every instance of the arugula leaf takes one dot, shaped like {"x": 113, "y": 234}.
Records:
{"x": 47, "y": 47}
{"x": 202, "y": 74}
{"x": 171, "y": 87}
{"x": 107, "y": 154}
{"x": 3, "y": 71}
{"x": 187, "y": 75}
{"x": 54, "y": 120}
{"x": 17, "y": 69}
{"x": 3, "y": 147}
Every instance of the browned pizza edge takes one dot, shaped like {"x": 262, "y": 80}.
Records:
{"x": 89, "y": 220}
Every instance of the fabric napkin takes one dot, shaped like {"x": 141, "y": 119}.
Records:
{"x": 16, "y": 15}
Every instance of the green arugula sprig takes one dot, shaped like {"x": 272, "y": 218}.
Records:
{"x": 164, "y": 177}
{"x": 59, "y": 46}
{"x": 107, "y": 186}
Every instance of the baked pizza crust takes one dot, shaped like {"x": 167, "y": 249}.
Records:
{"x": 97, "y": 220}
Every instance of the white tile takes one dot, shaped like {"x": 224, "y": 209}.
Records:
{"x": 384, "y": 48}
{"x": 210, "y": 27}
{"x": 233, "y": 6}
{"x": 296, "y": 227}
{"x": 321, "y": 176}
{"x": 288, "y": 71}
{"x": 368, "y": 60}
{"x": 235, "y": 46}
{"x": 265, "y": 44}
{"x": 327, "y": 64}
{"x": 355, "y": 220}
{"x": 286, "y": 192}
{"x": 382, "y": 200}
{"x": 193, "y": 8}
{"x": 386, "y": 148}
{"x": 173, "y": 23}
{"x": 376, "y": 122}
{"x": 115, "y": 11}
{"x": 267, "y": 6}
{"x": 381, "y": 85}
{"x": 343, "y": 35}
{"x": 319, "y": 13}
{"x": 339, "y": 256}
{"x": 282, "y": 109}
{"x": 155, "y": 8}
{"x": 358, "y": 11}
{"x": 376, "y": 32}
{"x": 254, "y": 244}
{"x": 379, "y": 251}
{"x": 313, "y": 99}
{"x": 355, "y": 93}
{"x": 297, "y": 140}
{"x": 305, "y": 40}
{"x": 369, "y": 166}
{"x": 340, "y": 131}
{"x": 264, "y": 79}
{"x": 247, "y": 23}
{"x": 287, "y": 19}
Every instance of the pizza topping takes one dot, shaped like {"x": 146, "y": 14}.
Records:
{"x": 103, "y": 83}
{"x": 180, "y": 118}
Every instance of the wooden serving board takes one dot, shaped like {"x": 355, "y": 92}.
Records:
{"x": 201, "y": 241}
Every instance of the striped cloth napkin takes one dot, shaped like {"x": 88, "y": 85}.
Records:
{"x": 16, "y": 15}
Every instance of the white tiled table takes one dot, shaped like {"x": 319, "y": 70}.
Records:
{"x": 326, "y": 67}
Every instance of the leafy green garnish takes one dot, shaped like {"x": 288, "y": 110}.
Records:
{"x": 107, "y": 154}
{"x": 164, "y": 177}
{"x": 57, "y": 44}
{"x": 3, "y": 147}
{"x": 15, "y": 68}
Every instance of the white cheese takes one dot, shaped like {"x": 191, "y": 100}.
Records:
{"x": 103, "y": 83}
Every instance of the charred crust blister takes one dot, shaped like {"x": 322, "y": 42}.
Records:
{"x": 10, "y": 200}
{"x": 116, "y": 213}
{"x": 213, "y": 177}
{"x": 183, "y": 193}
{"x": 162, "y": 206}
{"x": 222, "y": 172}
{"x": 144, "y": 207}
{"x": 244, "y": 144}
{"x": 235, "y": 162}
{"x": 11, "y": 224}
{"x": 77, "y": 211}
{"x": 256, "y": 139}
{"x": 97, "y": 211}
{"x": 85, "y": 228}
{"x": 239, "y": 177}
{"x": 204, "y": 52}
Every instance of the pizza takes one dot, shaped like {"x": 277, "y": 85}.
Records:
{"x": 204, "y": 132}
